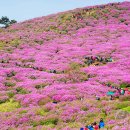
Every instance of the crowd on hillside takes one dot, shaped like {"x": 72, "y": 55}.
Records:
{"x": 96, "y": 60}
{"x": 94, "y": 126}
{"x": 115, "y": 93}
{"x": 118, "y": 92}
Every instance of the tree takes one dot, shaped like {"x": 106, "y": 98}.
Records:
{"x": 6, "y": 22}
{"x": 13, "y": 21}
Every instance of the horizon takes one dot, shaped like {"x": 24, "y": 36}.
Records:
{"x": 26, "y": 10}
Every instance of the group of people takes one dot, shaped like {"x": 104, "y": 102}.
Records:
{"x": 94, "y": 126}
{"x": 96, "y": 59}
{"x": 119, "y": 91}
{"x": 35, "y": 68}
{"x": 80, "y": 15}
{"x": 115, "y": 93}
{"x": 4, "y": 61}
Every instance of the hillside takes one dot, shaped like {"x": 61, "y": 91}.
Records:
{"x": 52, "y": 69}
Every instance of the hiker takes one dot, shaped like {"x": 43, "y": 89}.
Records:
{"x": 86, "y": 57}
{"x": 98, "y": 58}
{"x": 90, "y": 127}
{"x": 86, "y": 128}
{"x": 111, "y": 97}
{"x": 101, "y": 59}
{"x": 89, "y": 62}
{"x": 53, "y": 71}
{"x": 34, "y": 68}
{"x": 30, "y": 66}
{"x": 108, "y": 85}
{"x": 122, "y": 91}
{"x": 126, "y": 91}
{"x": 93, "y": 58}
{"x": 97, "y": 97}
{"x": 112, "y": 87}
{"x": 40, "y": 69}
{"x": 95, "y": 126}
{"x": 110, "y": 59}
{"x": 55, "y": 102}
{"x": 119, "y": 90}
{"x": 101, "y": 123}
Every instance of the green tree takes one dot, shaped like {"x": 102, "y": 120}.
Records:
{"x": 13, "y": 21}
{"x": 6, "y": 22}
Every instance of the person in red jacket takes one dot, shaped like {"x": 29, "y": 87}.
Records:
{"x": 95, "y": 126}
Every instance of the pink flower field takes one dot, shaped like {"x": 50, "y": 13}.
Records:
{"x": 53, "y": 67}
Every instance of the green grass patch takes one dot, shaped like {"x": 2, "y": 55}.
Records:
{"x": 74, "y": 125}
{"x": 124, "y": 85}
{"x": 10, "y": 94}
{"x": 40, "y": 86}
{"x": 127, "y": 109}
{"x": 9, "y": 84}
{"x": 9, "y": 106}
{"x": 48, "y": 122}
{"x": 122, "y": 105}
{"x": 2, "y": 44}
{"x": 23, "y": 112}
{"x": 40, "y": 112}
{"x": 21, "y": 90}
{"x": 15, "y": 42}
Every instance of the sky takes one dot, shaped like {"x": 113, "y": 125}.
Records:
{"x": 21, "y": 10}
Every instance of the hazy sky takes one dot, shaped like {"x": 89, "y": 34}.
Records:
{"x": 21, "y": 10}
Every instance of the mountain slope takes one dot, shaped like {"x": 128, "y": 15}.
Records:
{"x": 52, "y": 68}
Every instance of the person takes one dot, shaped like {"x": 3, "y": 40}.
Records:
{"x": 53, "y": 71}
{"x": 108, "y": 85}
{"x": 40, "y": 69}
{"x": 101, "y": 59}
{"x": 111, "y": 97}
{"x": 93, "y": 58}
{"x": 86, "y": 57}
{"x": 86, "y": 128}
{"x": 122, "y": 91}
{"x": 90, "y": 61}
{"x": 95, "y": 126}
{"x": 110, "y": 59}
{"x": 119, "y": 91}
{"x": 97, "y": 97}
{"x": 90, "y": 127}
{"x": 97, "y": 58}
{"x": 55, "y": 102}
{"x": 113, "y": 87}
{"x": 101, "y": 123}
{"x": 81, "y": 128}
{"x": 126, "y": 91}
